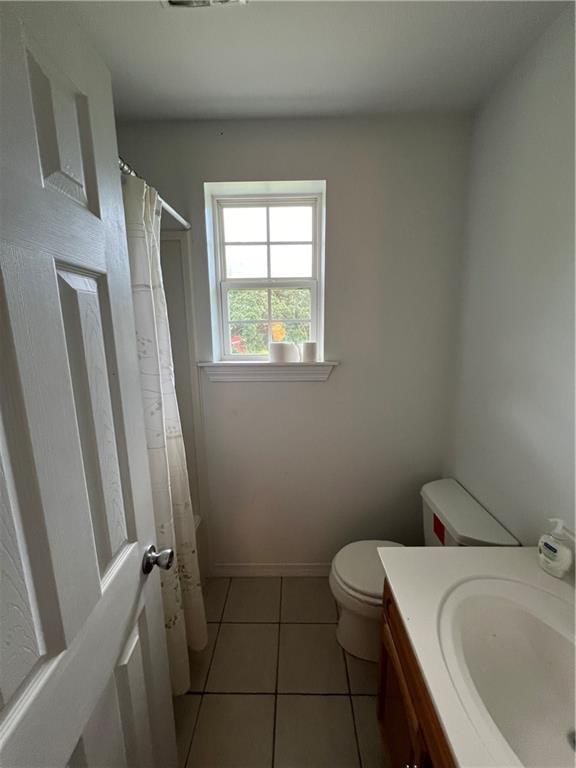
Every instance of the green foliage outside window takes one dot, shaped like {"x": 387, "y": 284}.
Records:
{"x": 286, "y": 304}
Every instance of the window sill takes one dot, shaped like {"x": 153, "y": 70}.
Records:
{"x": 257, "y": 371}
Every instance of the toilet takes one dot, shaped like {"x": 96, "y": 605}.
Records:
{"x": 451, "y": 517}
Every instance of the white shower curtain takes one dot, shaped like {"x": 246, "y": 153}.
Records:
{"x": 181, "y": 589}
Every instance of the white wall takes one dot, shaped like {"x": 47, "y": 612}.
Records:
{"x": 513, "y": 426}
{"x": 297, "y": 469}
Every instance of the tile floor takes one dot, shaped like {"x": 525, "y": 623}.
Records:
{"x": 273, "y": 689}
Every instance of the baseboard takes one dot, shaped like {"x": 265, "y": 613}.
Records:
{"x": 269, "y": 569}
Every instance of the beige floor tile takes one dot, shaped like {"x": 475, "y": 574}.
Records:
{"x": 185, "y": 712}
{"x": 256, "y": 599}
{"x": 200, "y": 661}
{"x": 363, "y": 675}
{"x": 215, "y": 591}
{"x": 369, "y": 738}
{"x": 244, "y": 659}
{"x": 233, "y": 732}
{"x": 307, "y": 600}
{"x": 311, "y": 661}
{"x": 315, "y": 732}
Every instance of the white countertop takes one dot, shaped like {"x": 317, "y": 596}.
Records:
{"x": 420, "y": 579}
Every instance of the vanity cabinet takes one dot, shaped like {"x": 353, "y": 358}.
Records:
{"x": 410, "y": 728}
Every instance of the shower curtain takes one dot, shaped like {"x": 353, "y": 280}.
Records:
{"x": 181, "y": 588}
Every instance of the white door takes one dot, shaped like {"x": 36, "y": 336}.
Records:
{"x": 83, "y": 667}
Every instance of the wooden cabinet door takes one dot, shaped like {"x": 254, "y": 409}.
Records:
{"x": 398, "y": 721}
{"x": 408, "y": 719}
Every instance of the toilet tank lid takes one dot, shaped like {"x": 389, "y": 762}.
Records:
{"x": 469, "y": 523}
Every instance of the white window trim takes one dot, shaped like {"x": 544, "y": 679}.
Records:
{"x": 253, "y": 367}
{"x": 246, "y": 370}
{"x": 314, "y": 283}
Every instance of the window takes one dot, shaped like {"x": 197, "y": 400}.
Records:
{"x": 268, "y": 270}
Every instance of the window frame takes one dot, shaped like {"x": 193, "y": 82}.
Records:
{"x": 224, "y": 284}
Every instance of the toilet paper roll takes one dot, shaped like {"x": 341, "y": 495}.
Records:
{"x": 309, "y": 351}
{"x": 283, "y": 352}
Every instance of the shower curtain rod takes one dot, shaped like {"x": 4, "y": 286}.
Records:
{"x": 127, "y": 170}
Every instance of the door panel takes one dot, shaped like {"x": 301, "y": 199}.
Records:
{"x": 62, "y": 132}
{"x": 131, "y": 685}
{"x": 87, "y": 358}
{"x": 51, "y": 423}
{"x": 21, "y": 641}
{"x": 83, "y": 668}
{"x": 105, "y": 719}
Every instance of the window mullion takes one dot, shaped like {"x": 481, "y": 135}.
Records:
{"x": 224, "y": 319}
{"x": 269, "y": 318}
{"x": 274, "y": 282}
{"x": 269, "y": 273}
{"x": 247, "y": 285}
{"x": 269, "y": 292}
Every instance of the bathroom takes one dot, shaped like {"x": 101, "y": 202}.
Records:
{"x": 432, "y": 146}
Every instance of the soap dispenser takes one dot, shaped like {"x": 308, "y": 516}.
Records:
{"x": 554, "y": 551}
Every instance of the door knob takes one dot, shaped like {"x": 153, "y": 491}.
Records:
{"x": 162, "y": 559}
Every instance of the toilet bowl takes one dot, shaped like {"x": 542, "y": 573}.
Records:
{"x": 450, "y": 516}
{"x": 357, "y": 582}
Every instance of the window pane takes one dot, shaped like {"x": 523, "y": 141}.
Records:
{"x": 249, "y": 338}
{"x": 289, "y": 223}
{"x": 295, "y": 332}
{"x": 244, "y": 225}
{"x": 291, "y": 260}
{"x": 247, "y": 304}
{"x": 246, "y": 261}
{"x": 291, "y": 304}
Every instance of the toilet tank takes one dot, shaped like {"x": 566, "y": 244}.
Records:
{"x": 452, "y": 518}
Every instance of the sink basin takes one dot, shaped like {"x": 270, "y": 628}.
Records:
{"x": 509, "y": 649}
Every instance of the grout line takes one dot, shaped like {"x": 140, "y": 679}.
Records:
{"x": 278, "y": 648}
{"x": 202, "y": 693}
{"x": 281, "y": 693}
{"x": 277, "y": 672}
{"x": 343, "y": 652}
{"x": 304, "y": 623}
{"x": 211, "y": 660}
{"x": 352, "y": 709}
{"x": 185, "y": 764}
{"x": 221, "y": 619}
{"x": 216, "y": 639}
{"x": 355, "y": 731}
{"x": 271, "y": 621}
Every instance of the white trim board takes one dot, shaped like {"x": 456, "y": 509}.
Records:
{"x": 255, "y": 371}
{"x": 232, "y": 570}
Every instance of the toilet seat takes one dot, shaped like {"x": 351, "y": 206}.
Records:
{"x": 358, "y": 570}
{"x": 357, "y": 583}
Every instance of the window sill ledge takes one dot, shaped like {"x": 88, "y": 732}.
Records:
{"x": 257, "y": 371}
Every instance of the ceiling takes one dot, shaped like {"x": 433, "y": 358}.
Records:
{"x": 272, "y": 59}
